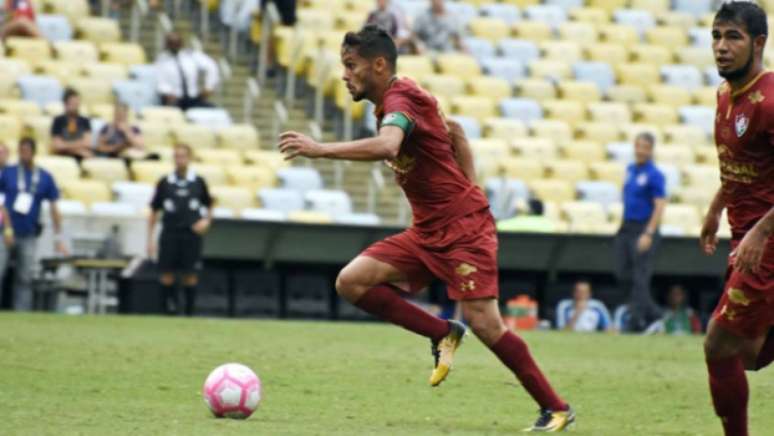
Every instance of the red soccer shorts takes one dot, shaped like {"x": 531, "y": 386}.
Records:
{"x": 747, "y": 305}
{"x": 463, "y": 255}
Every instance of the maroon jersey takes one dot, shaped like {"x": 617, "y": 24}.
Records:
{"x": 436, "y": 187}
{"x": 744, "y": 136}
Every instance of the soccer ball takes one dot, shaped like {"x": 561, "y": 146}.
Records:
{"x": 232, "y": 390}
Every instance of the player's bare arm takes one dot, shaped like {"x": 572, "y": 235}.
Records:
{"x": 646, "y": 239}
{"x": 750, "y": 250}
{"x": 386, "y": 145}
{"x": 462, "y": 152}
{"x": 709, "y": 229}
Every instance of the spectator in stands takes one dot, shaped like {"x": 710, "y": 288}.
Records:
{"x": 25, "y": 187}
{"x": 184, "y": 200}
{"x": 644, "y": 198}
{"x": 180, "y": 72}
{"x": 71, "y": 132}
{"x": 20, "y": 20}
{"x": 390, "y": 18}
{"x": 582, "y": 313}
{"x": 679, "y": 319}
{"x": 528, "y": 219}
{"x": 119, "y": 138}
{"x": 436, "y": 30}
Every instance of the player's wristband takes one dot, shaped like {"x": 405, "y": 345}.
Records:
{"x": 400, "y": 120}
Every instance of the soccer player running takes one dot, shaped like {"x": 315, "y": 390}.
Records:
{"x": 453, "y": 235}
{"x": 740, "y": 333}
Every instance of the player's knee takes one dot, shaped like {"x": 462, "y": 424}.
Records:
{"x": 348, "y": 285}
{"x": 715, "y": 349}
{"x": 484, "y": 325}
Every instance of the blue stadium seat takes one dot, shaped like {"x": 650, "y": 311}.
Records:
{"x": 701, "y": 116}
{"x": 503, "y": 193}
{"x": 136, "y": 193}
{"x": 524, "y": 109}
{"x": 672, "y": 176}
{"x": 640, "y": 20}
{"x": 711, "y": 76}
{"x": 697, "y": 8}
{"x": 622, "y": 152}
{"x": 504, "y": 68}
{"x": 358, "y": 219}
{"x": 701, "y": 37}
{"x": 40, "y": 89}
{"x": 332, "y": 202}
{"x": 412, "y": 8}
{"x": 134, "y": 93}
{"x": 213, "y": 117}
{"x": 509, "y": 13}
{"x": 470, "y": 125}
{"x": 462, "y": 12}
{"x": 300, "y": 178}
{"x": 600, "y": 73}
{"x": 605, "y": 193}
{"x": 145, "y": 73}
{"x": 261, "y": 214}
{"x": 282, "y": 200}
{"x": 549, "y": 14}
{"x": 520, "y": 49}
{"x": 565, "y": 4}
{"x": 55, "y": 28}
{"x": 683, "y": 76}
{"x": 480, "y": 48}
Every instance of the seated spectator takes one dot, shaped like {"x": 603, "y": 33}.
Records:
{"x": 119, "y": 138}
{"x": 20, "y": 19}
{"x": 71, "y": 132}
{"x": 390, "y": 18}
{"x": 180, "y": 71}
{"x": 531, "y": 220}
{"x": 582, "y": 313}
{"x": 678, "y": 318}
{"x": 436, "y": 30}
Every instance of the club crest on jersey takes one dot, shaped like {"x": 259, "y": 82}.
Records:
{"x": 741, "y": 125}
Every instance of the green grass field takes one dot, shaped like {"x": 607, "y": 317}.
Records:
{"x": 142, "y": 376}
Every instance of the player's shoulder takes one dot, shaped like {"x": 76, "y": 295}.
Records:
{"x": 764, "y": 91}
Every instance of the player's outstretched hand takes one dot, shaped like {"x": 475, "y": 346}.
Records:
{"x": 294, "y": 144}
{"x": 709, "y": 234}
{"x": 750, "y": 252}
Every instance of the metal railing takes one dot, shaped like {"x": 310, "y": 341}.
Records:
{"x": 280, "y": 118}
{"x": 270, "y": 18}
{"x": 139, "y": 10}
{"x": 251, "y": 97}
{"x": 204, "y": 17}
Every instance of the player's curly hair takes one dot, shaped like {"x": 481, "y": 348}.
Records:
{"x": 748, "y": 13}
{"x": 371, "y": 42}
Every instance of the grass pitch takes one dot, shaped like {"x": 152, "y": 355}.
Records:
{"x": 142, "y": 376}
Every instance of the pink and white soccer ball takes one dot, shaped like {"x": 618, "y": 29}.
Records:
{"x": 232, "y": 390}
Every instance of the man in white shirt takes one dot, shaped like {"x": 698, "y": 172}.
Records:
{"x": 582, "y": 313}
{"x": 186, "y": 78}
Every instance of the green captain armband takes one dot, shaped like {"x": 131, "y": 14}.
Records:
{"x": 400, "y": 120}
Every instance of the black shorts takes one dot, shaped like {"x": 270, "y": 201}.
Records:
{"x": 180, "y": 251}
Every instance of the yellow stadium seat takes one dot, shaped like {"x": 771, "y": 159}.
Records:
{"x": 14, "y": 67}
{"x": 532, "y": 30}
{"x": 558, "y": 131}
{"x": 460, "y": 65}
{"x": 290, "y": 41}
{"x": 213, "y": 174}
{"x": 667, "y": 36}
{"x": 125, "y": 53}
{"x": 218, "y": 156}
{"x": 608, "y": 5}
{"x": 640, "y": 74}
{"x": 489, "y": 86}
{"x": 601, "y": 131}
{"x": 61, "y": 71}
{"x": 489, "y": 149}
{"x": 696, "y": 196}
{"x": 92, "y": 91}
{"x": 233, "y": 197}
{"x": 239, "y": 137}
{"x": 327, "y": 4}
{"x": 344, "y": 101}
{"x": 608, "y": 172}
{"x": 684, "y": 217}
{"x": 20, "y": 108}
{"x": 685, "y": 134}
{"x": 565, "y": 51}
{"x": 706, "y": 154}
{"x": 252, "y": 177}
{"x": 670, "y": 95}
{"x": 156, "y": 133}
{"x": 10, "y": 129}
{"x": 38, "y": 127}
{"x": 584, "y": 216}
{"x": 630, "y": 131}
{"x": 504, "y": 128}
{"x": 75, "y": 10}
{"x": 54, "y": 108}
{"x": 415, "y": 66}
{"x": 105, "y": 111}
{"x": 105, "y": 71}
{"x": 553, "y": 190}
{"x": 707, "y": 176}
{"x": 64, "y": 169}
{"x": 610, "y": 112}
{"x": 571, "y": 171}
{"x": 596, "y": 16}
{"x": 105, "y": 169}
{"x": 84, "y": 52}
{"x": 537, "y": 89}
{"x": 677, "y": 154}
{"x": 273, "y": 160}
{"x": 30, "y": 50}
{"x": 521, "y": 168}
{"x": 579, "y": 91}
{"x": 444, "y": 85}
{"x": 619, "y": 34}
{"x": 87, "y": 191}
{"x": 654, "y": 113}
{"x": 705, "y": 96}
{"x": 148, "y": 171}
{"x": 309, "y": 217}
{"x": 649, "y": 53}
{"x": 587, "y": 151}
{"x": 349, "y": 21}
{"x": 582, "y": 33}
{"x": 550, "y": 69}
{"x": 163, "y": 114}
{"x": 682, "y": 20}
{"x": 652, "y": 6}
{"x": 195, "y": 135}
{"x": 491, "y": 28}
{"x": 629, "y": 94}
{"x": 98, "y": 30}
{"x": 535, "y": 148}
{"x": 318, "y": 19}
{"x": 474, "y": 106}
{"x": 612, "y": 53}
{"x": 522, "y": 3}
{"x": 8, "y": 88}
{"x": 571, "y": 112}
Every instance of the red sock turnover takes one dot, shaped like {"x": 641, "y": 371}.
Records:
{"x": 384, "y": 302}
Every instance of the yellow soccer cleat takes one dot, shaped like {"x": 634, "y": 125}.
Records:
{"x": 553, "y": 422}
{"x": 443, "y": 351}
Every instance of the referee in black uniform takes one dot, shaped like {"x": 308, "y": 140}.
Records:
{"x": 185, "y": 201}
